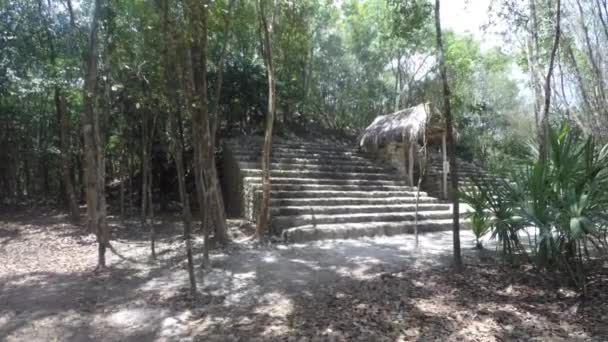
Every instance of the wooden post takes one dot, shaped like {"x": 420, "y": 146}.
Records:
{"x": 410, "y": 164}
{"x": 445, "y": 166}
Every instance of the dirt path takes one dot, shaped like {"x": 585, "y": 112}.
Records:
{"x": 371, "y": 289}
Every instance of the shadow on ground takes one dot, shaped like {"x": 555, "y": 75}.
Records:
{"x": 376, "y": 289}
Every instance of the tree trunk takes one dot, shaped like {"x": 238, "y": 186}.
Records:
{"x": 544, "y": 126}
{"x": 123, "y": 178}
{"x": 602, "y": 17}
{"x": 64, "y": 127}
{"x": 421, "y": 175}
{"x": 264, "y": 218}
{"x": 533, "y": 49}
{"x": 207, "y": 185}
{"x": 215, "y": 114}
{"x": 587, "y": 107}
{"x": 64, "y": 146}
{"x": 177, "y": 151}
{"x": 197, "y": 90}
{"x": 151, "y": 215}
{"x": 595, "y": 66}
{"x": 176, "y": 144}
{"x": 450, "y": 140}
{"x": 146, "y": 186}
{"x": 92, "y": 148}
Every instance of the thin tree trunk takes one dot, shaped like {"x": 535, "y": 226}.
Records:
{"x": 309, "y": 68}
{"x": 64, "y": 127}
{"x": 421, "y": 175}
{"x": 176, "y": 145}
{"x": 131, "y": 207}
{"x": 147, "y": 213}
{"x": 533, "y": 49}
{"x": 150, "y": 185}
{"x": 594, "y": 64}
{"x": 197, "y": 91}
{"x": 144, "y": 173}
{"x": 534, "y": 81}
{"x": 450, "y": 140}
{"x": 151, "y": 215}
{"x": 215, "y": 114}
{"x": 602, "y": 14}
{"x": 563, "y": 86}
{"x": 588, "y": 108}
{"x": 215, "y": 119}
{"x": 123, "y": 178}
{"x": 264, "y": 218}
{"x": 177, "y": 150}
{"x": 64, "y": 145}
{"x": 90, "y": 119}
{"x": 542, "y": 150}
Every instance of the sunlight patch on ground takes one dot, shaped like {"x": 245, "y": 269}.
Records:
{"x": 274, "y": 304}
{"x": 136, "y": 317}
{"x": 313, "y": 265}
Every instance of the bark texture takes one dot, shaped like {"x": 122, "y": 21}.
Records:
{"x": 93, "y": 146}
{"x": 266, "y": 28}
{"x": 63, "y": 123}
{"x": 544, "y": 121}
{"x": 176, "y": 144}
{"x": 450, "y": 140}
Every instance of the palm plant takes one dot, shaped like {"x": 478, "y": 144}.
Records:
{"x": 561, "y": 199}
{"x": 564, "y": 198}
{"x": 479, "y": 220}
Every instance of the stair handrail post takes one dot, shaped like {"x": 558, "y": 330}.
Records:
{"x": 410, "y": 164}
{"x": 445, "y": 165}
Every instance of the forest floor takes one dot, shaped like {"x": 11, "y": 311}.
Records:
{"x": 376, "y": 289}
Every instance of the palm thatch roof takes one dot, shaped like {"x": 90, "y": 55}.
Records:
{"x": 411, "y": 124}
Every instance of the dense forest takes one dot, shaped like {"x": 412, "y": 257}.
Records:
{"x": 337, "y": 65}
{"x": 122, "y": 107}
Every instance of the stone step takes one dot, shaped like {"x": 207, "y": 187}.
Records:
{"x": 285, "y": 222}
{"x": 470, "y": 179}
{"x": 293, "y": 147}
{"x": 324, "y": 157}
{"x": 336, "y": 193}
{"x": 327, "y": 181}
{"x": 320, "y": 148}
{"x": 345, "y": 209}
{"x": 467, "y": 182}
{"x": 298, "y": 152}
{"x": 316, "y": 167}
{"x": 460, "y": 172}
{"x": 357, "y": 230}
{"x": 308, "y": 160}
{"x": 321, "y": 174}
{"x": 336, "y": 201}
{"x": 463, "y": 174}
{"x": 334, "y": 187}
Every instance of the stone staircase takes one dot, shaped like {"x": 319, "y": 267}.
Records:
{"x": 325, "y": 191}
{"x": 466, "y": 172}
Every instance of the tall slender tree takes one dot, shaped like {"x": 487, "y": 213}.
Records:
{"x": 62, "y": 119}
{"x": 176, "y": 143}
{"x": 94, "y": 156}
{"x": 207, "y": 186}
{"x": 450, "y": 139}
{"x": 544, "y": 120}
{"x": 266, "y": 43}
{"x": 215, "y": 109}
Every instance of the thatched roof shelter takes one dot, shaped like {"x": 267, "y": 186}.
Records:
{"x": 411, "y": 124}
